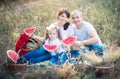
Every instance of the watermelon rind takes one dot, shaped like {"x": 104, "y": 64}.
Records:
{"x": 9, "y": 52}
{"x": 10, "y": 61}
{"x": 30, "y": 29}
{"x": 69, "y": 40}
{"x": 50, "y": 47}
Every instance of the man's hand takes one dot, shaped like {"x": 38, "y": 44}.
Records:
{"x": 77, "y": 45}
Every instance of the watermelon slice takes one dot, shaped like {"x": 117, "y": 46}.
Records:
{"x": 69, "y": 40}
{"x": 29, "y": 31}
{"x": 50, "y": 47}
{"x": 12, "y": 55}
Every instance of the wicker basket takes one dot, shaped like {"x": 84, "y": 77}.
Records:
{"x": 16, "y": 67}
{"x": 103, "y": 69}
{"x": 38, "y": 45}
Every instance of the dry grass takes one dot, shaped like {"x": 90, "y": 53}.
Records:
{"x": 91, "y": 57}
{"x": 113, "y": 55}
{"x": 110, "y": 56}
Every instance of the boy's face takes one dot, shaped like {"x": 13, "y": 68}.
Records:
{"x": 52, "y": 34}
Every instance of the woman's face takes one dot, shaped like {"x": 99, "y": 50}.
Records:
{"x": 63, "y": 19}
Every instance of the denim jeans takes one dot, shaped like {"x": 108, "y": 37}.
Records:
{"x": 62, "y": 57}
{"x": 56, "y": 59}
{"x": 95, "y": 47}
{"x": 35, "y": 56}
{"x": 75, "y": 53}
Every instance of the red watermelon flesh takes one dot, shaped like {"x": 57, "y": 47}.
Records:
{"x": 12, "y": 55}
{"x": 50, "y": 47}
{"x": 30, "y": 30}
{"x": 69, "y": 40}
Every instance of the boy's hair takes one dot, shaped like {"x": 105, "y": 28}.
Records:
{"x": 49, "y": 28}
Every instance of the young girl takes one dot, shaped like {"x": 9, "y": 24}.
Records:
{"x": 51, "y": 38}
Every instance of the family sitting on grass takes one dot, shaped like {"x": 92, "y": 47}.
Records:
{"x": 84, "y": 32}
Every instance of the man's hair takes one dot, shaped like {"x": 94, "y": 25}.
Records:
{"x": 76, "y": 11}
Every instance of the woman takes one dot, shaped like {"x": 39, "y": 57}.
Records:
{"x": 64, "y": 27}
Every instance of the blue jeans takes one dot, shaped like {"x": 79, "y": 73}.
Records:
{"x": 62, "y": 57}
{"x": 75, "y": 53}
{"x": 95, "y": 47}
{"x": 35, "y": 56}
{"x": 56, "y": 59}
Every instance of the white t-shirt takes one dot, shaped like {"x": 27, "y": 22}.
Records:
{"x": 83, "y": 32}
{"x": 64, "y": 33}
{"x": 54, "y": 42}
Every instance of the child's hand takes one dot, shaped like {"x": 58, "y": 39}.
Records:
{"x": 57, "y": 49}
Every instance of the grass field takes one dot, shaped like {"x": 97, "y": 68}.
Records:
{"x": 16, "y": 16}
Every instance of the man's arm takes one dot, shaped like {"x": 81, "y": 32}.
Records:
{"x": 93, "y": 39}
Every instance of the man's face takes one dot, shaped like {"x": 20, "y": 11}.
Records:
{"x": 77, "y": 19}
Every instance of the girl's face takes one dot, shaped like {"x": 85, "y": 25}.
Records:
{"x": 63, "y": 19}
{"x": 52, "y": 34}
{"x": 77, "y": 19}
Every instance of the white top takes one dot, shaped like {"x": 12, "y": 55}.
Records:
{"x": 54, "y": 42}
{"x": 64, "y": 33}
{"x": 83, "y": 32}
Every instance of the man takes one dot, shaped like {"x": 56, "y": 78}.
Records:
{"x": 86, "y": 33}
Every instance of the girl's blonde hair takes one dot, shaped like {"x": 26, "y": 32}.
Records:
{"x": 48, "y": 29}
